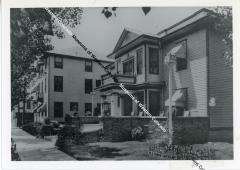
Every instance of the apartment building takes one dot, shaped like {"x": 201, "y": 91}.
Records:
{"x": 65, "y": 84}
{"x": 202, "y": 82}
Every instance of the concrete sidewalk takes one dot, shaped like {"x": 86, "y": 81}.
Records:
{"x": 32, "y": 149}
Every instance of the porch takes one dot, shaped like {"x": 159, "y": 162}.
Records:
{"x": 115, "y": 102}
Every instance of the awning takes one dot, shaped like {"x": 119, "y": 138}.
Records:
{"x": 175, "y": 49}
{"x": 179, "y": 51}
{"x": 178, "y": 98}
{"x": 40, "y": 108}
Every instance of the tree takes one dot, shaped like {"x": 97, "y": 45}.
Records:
{"x": 30, "y": 37}
{"x": 223, "y": 25}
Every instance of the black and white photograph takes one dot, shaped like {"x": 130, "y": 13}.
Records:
{"x": 111, "y": 83}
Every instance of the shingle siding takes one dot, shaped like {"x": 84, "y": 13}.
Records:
{"x": 220, "y": 84}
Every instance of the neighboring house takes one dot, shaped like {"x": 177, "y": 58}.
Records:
{"x": 202, "y": 82}
{"x": 21, "y": 115}
{"x": 65, "y": 83}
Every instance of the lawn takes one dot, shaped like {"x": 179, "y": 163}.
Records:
{"x": 136, "y": 150}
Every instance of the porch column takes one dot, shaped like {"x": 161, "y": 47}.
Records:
{"x": 134, "y": 108}
{"x": 112, "y": 106}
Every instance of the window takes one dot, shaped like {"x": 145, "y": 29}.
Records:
{"x": 88, "y": 86}
{"x": 73, "y": 106}
{"x": 118, "y": 66}
{"x": 154, "y": 103}
{"x": 97, "y": 110}
{"x": 58, "y": 109}
{"x": 98, "y": 83}
{"x": 58, "y": 83}
{"x": 28, "y": 104}
{"x": 153, "y": 61}
{"x": 128, "y": 67}
{"x": 88, "y": 66}
{"x": 139, "y": 61}
{"x": 58, "y": 62}
{"x": 181, "y": 56}
{"x": 88, "y": 109}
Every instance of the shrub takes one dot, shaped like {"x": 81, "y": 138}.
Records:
{"x": 137, "y": 133}
{"x": 47, "y": 121}
{"x": 68, "y": 119}
{"x": 66, "y": 136}
{"x": 15, "y": 156}
{"x": 180, "y": 152}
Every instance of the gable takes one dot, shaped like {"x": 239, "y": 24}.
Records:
{"x": 126, "y": 37}
{"x": 129, "y": 37}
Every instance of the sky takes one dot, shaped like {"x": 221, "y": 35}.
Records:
{"x": 101, "y": 34}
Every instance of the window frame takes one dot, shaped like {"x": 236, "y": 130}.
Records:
{"x": 186, "y": 57}
{"x": 87, "y": 86}
{"x": 97, "y": 83}
{"x": 127, "y": 62}
{"x": 139, "y": 69}
{"x": 85, "y": 104}
{"x": 87, "y": 67}
{"x": 54, "y": 109}
{"x": 71, "y": 106}
{"x": 55, "y": 82}
{"x": 28, "y": 104}
{"x": 149, "y": 61}
{"x": 58, "y": 64}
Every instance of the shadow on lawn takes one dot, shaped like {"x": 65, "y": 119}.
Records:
{"x": 105, "y": 152}
{"x": 94, "y": 152}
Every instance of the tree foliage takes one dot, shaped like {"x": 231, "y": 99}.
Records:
{"x": 31, "y": 30}
{"x": 223, "y": 25}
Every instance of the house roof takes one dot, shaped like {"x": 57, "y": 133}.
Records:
{"x": 186, "y": 21}
{"x": 136, "y": 34}
{"x": 78, "y": 52}
{"x": 200, "y": 14}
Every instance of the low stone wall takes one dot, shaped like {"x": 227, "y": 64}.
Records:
{"x": 78, "y": 121}
{"x": 187, "y": 130}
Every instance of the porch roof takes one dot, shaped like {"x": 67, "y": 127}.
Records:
{"x": 128, "y": 86}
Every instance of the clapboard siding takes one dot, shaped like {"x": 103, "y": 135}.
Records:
{"x": 195, "y": 76}
{"x": 220, "y": 84}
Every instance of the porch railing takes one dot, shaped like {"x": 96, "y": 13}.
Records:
{"x": 106, "y": 79}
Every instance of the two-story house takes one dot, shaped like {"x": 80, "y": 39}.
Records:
{"x": 202, "y": 81}
{"x": 65, "y": 85}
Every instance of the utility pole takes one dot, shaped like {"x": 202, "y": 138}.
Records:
{"x": 170, "y": 103}
{"x": 170, "y": 60}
